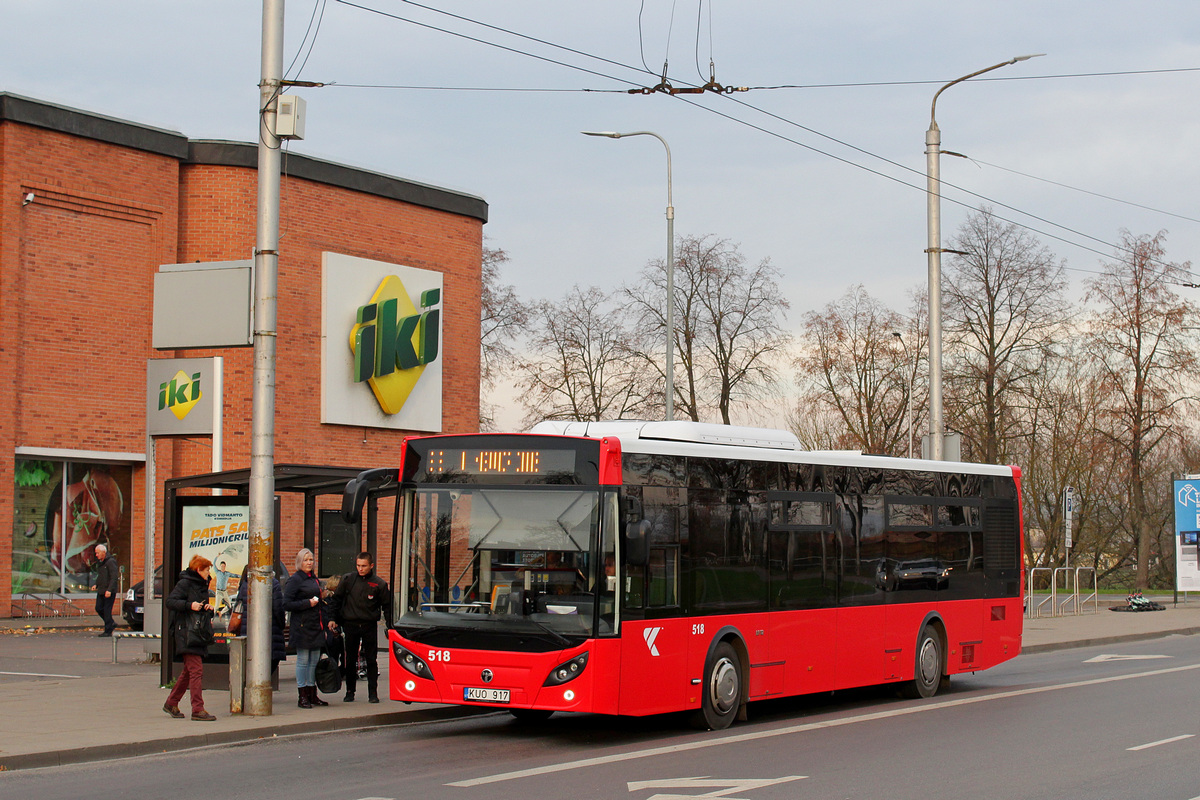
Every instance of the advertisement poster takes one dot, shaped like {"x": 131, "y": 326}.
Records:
{"x": 220, "y": 533}
{"x": 1187, "y": 535}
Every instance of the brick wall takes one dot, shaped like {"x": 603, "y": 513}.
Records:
{"x": 76, "y": 280}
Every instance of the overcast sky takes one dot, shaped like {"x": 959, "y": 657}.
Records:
{"x": 571, "y": 209}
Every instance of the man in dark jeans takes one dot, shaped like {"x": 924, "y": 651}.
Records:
{"x": 107, "y": 574}
{"x": 358, "y": 601}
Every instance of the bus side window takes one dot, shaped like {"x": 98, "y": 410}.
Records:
{"x": 664, "y": 577}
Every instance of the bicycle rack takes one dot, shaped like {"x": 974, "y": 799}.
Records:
{"x": 1093, "y": 597}
{"x": 1071, "y": 599}
{"x": 1033, "y": 609}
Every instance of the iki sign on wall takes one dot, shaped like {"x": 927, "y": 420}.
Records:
{"x": 381, "y": 360}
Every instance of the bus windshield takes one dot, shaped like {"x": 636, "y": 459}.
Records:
{"x": 523, "y": 559}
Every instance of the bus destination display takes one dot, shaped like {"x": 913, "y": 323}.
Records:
{"x": 500, "y": 462}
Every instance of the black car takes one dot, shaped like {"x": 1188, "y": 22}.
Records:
{"x": 133, "y": 606}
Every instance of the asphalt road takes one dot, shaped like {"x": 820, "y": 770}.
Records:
{"x": 1112, "y": 722}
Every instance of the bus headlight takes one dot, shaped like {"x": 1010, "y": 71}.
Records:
{"x": 411, "y": 662}
{"x": 567, "y": 671}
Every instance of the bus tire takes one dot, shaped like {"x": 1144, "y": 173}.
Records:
{"x": 927, "y": 675}
{"x": 722, "y": 689}
{"x": 530, "y": 714}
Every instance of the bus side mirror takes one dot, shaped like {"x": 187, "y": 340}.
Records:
{"x": 637, "y": 549}
{"x": 355, "y": 493}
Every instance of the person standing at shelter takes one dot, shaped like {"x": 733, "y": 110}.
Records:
{"x": 107, "y": 575}
{"x": 361, "y": 597}
{"x": 302, "y": 597}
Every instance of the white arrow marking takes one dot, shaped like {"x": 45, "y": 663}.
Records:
{"x": 726, "y": 787}
{"x": 1101, "y": 659}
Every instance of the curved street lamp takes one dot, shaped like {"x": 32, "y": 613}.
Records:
{"x": 669, "y": 367}
{"x": 933, "y": 152}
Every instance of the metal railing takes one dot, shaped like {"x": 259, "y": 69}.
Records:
{"x": 1072, "y": 592}
{"x": 1033, "y": 607}
{"x": 1094, "y": 597}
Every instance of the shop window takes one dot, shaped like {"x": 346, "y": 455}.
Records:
{"x": 55, "y": 531}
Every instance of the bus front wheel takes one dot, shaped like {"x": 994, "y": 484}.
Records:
{"x": 927, "y": 678}
{"x": 722, "y": 689}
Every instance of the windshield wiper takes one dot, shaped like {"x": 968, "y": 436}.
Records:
{"x": 564, "y": 641}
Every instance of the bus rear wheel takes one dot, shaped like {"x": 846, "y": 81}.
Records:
{"x": 722, "y": 689}
{"x": 927, "y": 677}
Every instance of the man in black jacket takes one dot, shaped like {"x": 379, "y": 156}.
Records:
{"x": 357, "y": 603}
{"x": 107, "y": 574}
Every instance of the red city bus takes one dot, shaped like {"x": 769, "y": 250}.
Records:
{"x": 649, "y": 567}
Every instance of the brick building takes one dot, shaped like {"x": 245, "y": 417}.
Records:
{"x": 90, "y": 209}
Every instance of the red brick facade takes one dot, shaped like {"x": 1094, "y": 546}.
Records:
{"x": 111, "y": 201}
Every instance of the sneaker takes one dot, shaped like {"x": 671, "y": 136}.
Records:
{"x": 373, "y": 699}
{"x": 203, "y": 716}
{"x": 173, "y": 711}
{"x": 349, "y": 698}
{"x": 104, "y": 633}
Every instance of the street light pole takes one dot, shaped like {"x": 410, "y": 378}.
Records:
{"x": 669, "y": 366}
{"x": 911, "y": 374}
{"x": 933, "y": 152}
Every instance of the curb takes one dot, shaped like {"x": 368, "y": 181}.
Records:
{"x": 1103, "y": 640}
{"x": 105, "y": 752}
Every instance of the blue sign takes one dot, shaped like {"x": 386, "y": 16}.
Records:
{"x": 1187, "y": 535}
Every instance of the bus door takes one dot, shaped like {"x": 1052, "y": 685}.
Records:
{"x": 861, "y": 615}
{"x": 803, "y": 553}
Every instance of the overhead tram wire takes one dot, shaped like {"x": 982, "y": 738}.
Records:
{"x": 827, "y": 154}
{"x": 939, "y": 82}
{"x": 1083, "y": 191}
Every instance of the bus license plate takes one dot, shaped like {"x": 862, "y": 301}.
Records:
{"x": 485, "y": 695}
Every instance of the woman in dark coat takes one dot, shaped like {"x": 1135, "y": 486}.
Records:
{"x": 278, "y": 644}
{"x": 190, "y": 596}
{"x": 302, "y": 597}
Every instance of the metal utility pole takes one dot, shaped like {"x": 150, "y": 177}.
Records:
{"x": 262, "y": 426}
{"x": 933, "y": 152}
{"x": 669, "y": 365}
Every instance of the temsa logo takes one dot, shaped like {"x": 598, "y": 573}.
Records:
{"x": 392, "y": 342}
{"x": 180, "y": 394}
{"x": 650, "y": 634}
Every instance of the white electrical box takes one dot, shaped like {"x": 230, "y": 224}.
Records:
{"x": 289, "y": 121}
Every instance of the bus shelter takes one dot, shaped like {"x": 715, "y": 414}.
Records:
{"x": 198, "y": 520}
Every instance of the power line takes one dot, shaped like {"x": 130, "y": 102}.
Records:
{"x": 979, "y": 80}
{"x": 755, "y": 108}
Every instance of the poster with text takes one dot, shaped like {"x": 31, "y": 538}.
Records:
{"x": 1187, "y": 535}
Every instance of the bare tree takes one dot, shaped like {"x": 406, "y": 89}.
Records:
{"x": 1004, "y": 305}
{"x": 503, "y": 319}
{"x": 581, "y": 365}
{"x": 860, "y": 371}
{"x": 1139, "y": 341}
{"x": 728, "y": 325}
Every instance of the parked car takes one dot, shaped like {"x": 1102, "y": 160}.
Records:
{"x": 133, "y": 606}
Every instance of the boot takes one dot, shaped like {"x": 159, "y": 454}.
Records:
{"x": 304, "y": 701}
{"x": 315, "y": 698}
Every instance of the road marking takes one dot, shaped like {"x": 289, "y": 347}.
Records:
{"x": 1102, "y": 658}
{"x": 1161, "y": 741}
{"x": 805, "y": 727}
{"x": 40, "y": 675}
{"x": 730, "y": 786}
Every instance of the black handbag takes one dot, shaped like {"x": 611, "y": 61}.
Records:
{"x": 328, "y": 676}
{"x": 199, "y": 629}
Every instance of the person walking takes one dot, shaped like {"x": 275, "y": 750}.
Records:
{"x": 107, "y": 574}
{"x": 302, "y": 597}
{"x": 358, "y": 601}
{"x": 188, "y": 598}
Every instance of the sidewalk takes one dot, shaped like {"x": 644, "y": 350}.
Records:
{"x": 62, "y": 701}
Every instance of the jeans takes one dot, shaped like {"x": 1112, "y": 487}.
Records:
{"x": 104, "y": 609}
{"x": 190, "y": 678}
{"x": 306, "y": 666}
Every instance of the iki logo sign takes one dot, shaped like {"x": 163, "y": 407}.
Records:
{"x": 180, "y": 394}
{"x": 393, "y": 340}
